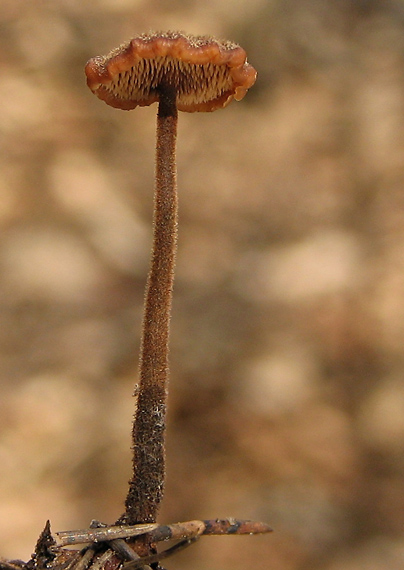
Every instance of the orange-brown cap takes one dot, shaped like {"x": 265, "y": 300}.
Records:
{"x": 205, "y": 73}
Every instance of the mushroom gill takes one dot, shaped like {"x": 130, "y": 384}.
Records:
{"x": 206, "y": 74}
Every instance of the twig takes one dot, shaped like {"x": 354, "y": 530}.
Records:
{"x": 159, "y": 533}
{"x": 11, "y": 564}
{"x": 177, "y": 531}
{"x": 102, "y": 560}
{"x": 160, "y": 555}
{"x": 235, "y": 526}
{"x": 103, "y": 534}
{"x": 84, "y": 561}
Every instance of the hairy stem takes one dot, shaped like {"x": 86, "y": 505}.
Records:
{"x": 147, "y": 484}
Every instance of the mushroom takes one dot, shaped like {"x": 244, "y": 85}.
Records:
{"x": 186, "y": 73}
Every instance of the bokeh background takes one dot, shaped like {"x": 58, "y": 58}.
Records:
{"x": 287, "y": 393}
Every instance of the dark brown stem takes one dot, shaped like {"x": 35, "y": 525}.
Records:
{"x": 147, "y": 485}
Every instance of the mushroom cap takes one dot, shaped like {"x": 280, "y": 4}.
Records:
{"x": 205, "y": 73}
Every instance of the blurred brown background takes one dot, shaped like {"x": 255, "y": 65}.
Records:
{"x": 287, "y": 392}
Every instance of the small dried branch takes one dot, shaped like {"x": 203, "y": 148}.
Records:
{"x": 153, "y": 558}
{"x": 82, "y": 562}
{"x": 160, "y": 533}
{"x": 235, "y": 526}
{"x": 123, "y": 550}
{"x": 11, "y": 564}
{"x": 177, "y": 531}
{"x": 102, "y": 561}
{"x": 104, "y": 534}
